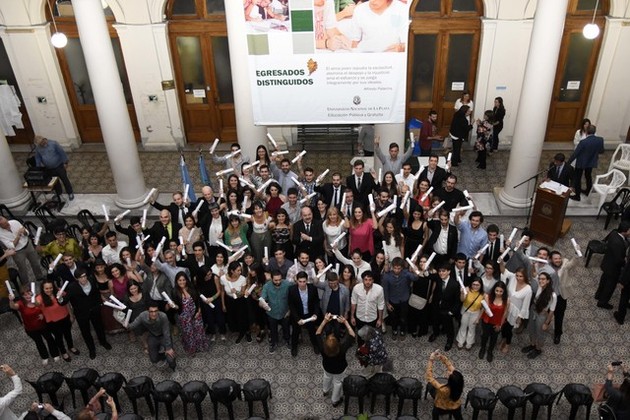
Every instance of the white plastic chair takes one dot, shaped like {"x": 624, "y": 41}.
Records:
{"x": 621, "y": 159}
{"x": 608, "y": 183}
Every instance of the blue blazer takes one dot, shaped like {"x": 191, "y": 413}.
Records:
{"x": 587, "y": 152}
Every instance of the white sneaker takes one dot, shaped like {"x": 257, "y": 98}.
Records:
{"x": 44, "y": 362}
{"x": 222, "y": 337}
{"x": 212, "y": 338}
{"x": 56, "y": 359}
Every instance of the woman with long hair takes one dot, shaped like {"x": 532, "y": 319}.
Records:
{"x": 132, "y": 268}
{"x": 235, "y": 236}
{"x": 447, "y": 396}
{"x": 460, "y": 127}
{"x": 333, "y": 350}
{"x": 540, "y": 318}
{"x": 420, "y": 193}
{"x": 348, "y": 277}
{"x": 281, "y": 233}
{"x": 378, "y": 266}
{"x": 488, "y": 272}
{"x": 260, "y": 236}
{"x": 136, "y": 303}
{"x": 389, "y": 183}
{"x": 190, "y": 233}
{"x": 498, "y": 115}
{"x": 233, "y": 184}
{"x": 118, "y": 280}
{"x": 208, "y": 284}
{"x": 416, "y": 232}
{"x": 498, "y": 302}
{"x": 187, "y": 304}
{"x": 233, "y": 202}
{"x": 333, "y": 227}
{"x": 94, "y": 250}
{"x": 35, "y": 324}
{"x": 580, "y": 134}
{"x": 520, "y": 294}
{"x": 274, "y": 199}
{"x": 256, "y": 277}
{"x": 320, "y": 210}
{"x": 57, "y": 318}
{"x": 393, "y": 239}
{"x": 233, "y": 301}
{"x": 262, "y": 155}
{"x": 361, "y": 232}
{"x": 422, "y": 288}
{"x": 471, "y": 298}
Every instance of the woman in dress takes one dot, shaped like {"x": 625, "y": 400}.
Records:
{"x": 233, "y": 201}
{"x": 260, "y": 236}
{"x": 580, "y": 134}
{"x": 257, "y": 315}
{"x": 235, "y": 235}
{"x": 520, "y": 295}
{"x": 471, "y": 298}
{"x": 393, "y": 239}
{"x": 187, "y": 304}
{"x": 132, "y": 268}
{"x": 321, "y": 210}
{"x": 333, "y": 228}
{"x": 190, "y": 232}
{"x": 219, "y": 267}
{"x": 379, "y": 265}
{"x": 233, "y": 301}
{"x": 422, "y": 198}
{"x": 118, "y": 280}
{"x": 460, "y": 127}
{"x": 35, "y": 324}
{"x": 262, "y": 155}
{"x": 498, "y": 303}
{"x": 104, "y": 286}
{"x": 347, "y": 277}
{"x": 136, "y": 303}
{"x": 361, "y": 232}
{"x": 447, "y": 396}
{"x": 274, "y": 199}
{"x": 543, "y": 306}
{"x": 498, "y": 115}
{"x": 281, "y": 233}
{"x": 93, "y": 251}
{"x": 419, "y": 312}
{"x": 208, "y": 284}
{"x": 57, "y": 318}
{"x": 416, "y": 232}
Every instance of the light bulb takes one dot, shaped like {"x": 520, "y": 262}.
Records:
{"x": 59, "y": 40}
{"x": 590, "y": 31}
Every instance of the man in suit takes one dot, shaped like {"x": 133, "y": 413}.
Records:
{"x": 166, "y": 227}
{"x": 445, "y": 304}
{"x": 612, "y": 263}
{"x": 520, "y": 257}
{"x": 360, "y": 183}
{"x": 65, "y": 271}
{"x": 303, "y": 304}
{"x": 494, "y": 246}
{"x": 435, "y": 174}
{"x": 585, "y": 155}
{"x": 197, "y": 261}
{"x": 308, "y": 234}
{"x": 443, "y": 239}
{"x": 560, "y": 171}
{"x": 348, "y": 206}
{"x": 204, "y": 204}
{"x": 133, "y": 231}
{"x": 624, "y": 298}
{"x": 332, "y": 192}
{"x": 178, "y": 208}
{"x": 459, "y": 269}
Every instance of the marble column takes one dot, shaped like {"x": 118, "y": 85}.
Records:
{"x": 533, "y": 109}
{"x": 110, "y": 103}
{"x": 12, "y": 194}
{"x": 249, "y": 135}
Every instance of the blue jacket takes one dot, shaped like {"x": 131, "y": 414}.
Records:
{"x": 587, "y": 152}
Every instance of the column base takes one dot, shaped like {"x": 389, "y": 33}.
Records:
{"x": 18, "y": 201}
{"x": 133, "y": 203}
{"x": 504, "y": 197}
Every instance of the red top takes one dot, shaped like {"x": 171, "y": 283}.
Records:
{"x": 54, "y": 312}
{"x": 497, "y": 314}
{"x": 32, "y": 317}
{"x": 362, "y": 237}
{"x": 273, "y": 205}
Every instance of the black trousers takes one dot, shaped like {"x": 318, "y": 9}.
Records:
{"x": 456, "y": 158}
{"x": 495, "y": 136}
{"x": 93, "y": 318}
{"x": 558, "y": 316}
{"x": 606, "y": 287}
{"x": 273, "y": 328}
{"x": 311, "y": 327}
{"x": 60, "y": 171}
{"x": 61, "y": 330}
{"x": 578, "y": 180}
{"x": 38, "y": 337}
{"x": 398, "y": 317}
{"x": 623, "y": 302}
{"x": 489, "y": 337}
{"x": 156, "y": 350}
{"x": 507, "y": 332}
{"x": 443, "y": 320}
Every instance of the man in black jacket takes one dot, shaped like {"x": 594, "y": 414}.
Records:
{"x": 332, "y": 192}
{"x": 166, "y": 227}
{"x": 178, "y": 208}
{"x": 308, "y": 235}
{"x": 443, "y": 239}
{"x": 132, "y": 231}
{"x": 445, "y": 305}
{"x": 560, "y": 171}
{"x": 303, "y": 305}
{"x": 361, "y": 183}
{"x": 85, "y": 299}
{"x": 435, "y": 174}
{"x": 612, "y": 264}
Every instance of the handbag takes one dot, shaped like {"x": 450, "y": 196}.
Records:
{"x": 418, "y": 302}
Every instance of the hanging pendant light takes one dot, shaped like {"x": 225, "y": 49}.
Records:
{"x": 58, "y": 39}
{"x": 591, "y": 30}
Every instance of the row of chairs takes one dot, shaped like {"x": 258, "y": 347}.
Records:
{"x": 223, "y": 391}
{"x": 481, "y": 399}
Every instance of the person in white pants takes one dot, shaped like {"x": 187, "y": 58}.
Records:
{"x": 471, "y": 313}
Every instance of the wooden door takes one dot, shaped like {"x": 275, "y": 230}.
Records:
{"x": 204, "y": 82}
{"x": 574, "y": 75}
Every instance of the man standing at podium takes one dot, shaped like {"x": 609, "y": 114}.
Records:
{"x": 560, "y": 171}
{"x": 585, "y": 155}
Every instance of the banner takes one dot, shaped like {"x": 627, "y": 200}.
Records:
{"x": 327, "y": 61}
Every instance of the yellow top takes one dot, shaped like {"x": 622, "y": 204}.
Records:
{"x": 443, "y": 393}
{"x": 470, "y": 298}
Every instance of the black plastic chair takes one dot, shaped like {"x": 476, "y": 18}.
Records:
{"x": 45, "y": 261}
{"x": 224, "y": 391}
{"x": 74, "y": 231}
{"x": 140, "y": 387}
{"x": 430, "y": 389}
{"x": 86, "y": 218}
{"x": 354, "y": 386}
{"x": 541, "y": 396}
{"x": 49, "y": 383}
{"x": 513, "y": 397}
{"x": 594, "y": 246}
{"x": 382, "y": 384}
{"x": 130, "y": 416}
{"x": 46, "y": 217}
{"x": 577, "y": 395}
{"x": 616, "y": 206}
{"x": 481, "y": 399}
{"x": 81, "y": 380}
{"x": 166, "y": 392}
{"x": 408, "y": 389}
{"x": 257, "y": 390}
{"x": 6, "y": 213}
{"x": 111, "y": 382}
{"x": 193, "y": 392}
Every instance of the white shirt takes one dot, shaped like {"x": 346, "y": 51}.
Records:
{"x": 237, "y": 285}
{"x": 368, "y": 303}
{"x": 7, "y": 236}
{"x": 215, "y": 231}
{"x": 112, "y": 255}
{"x": 441, "y": 245}
{"x": 7, "y": 400}
{"x": 374, "y": 32}
{"x": 519, "y": 301}
{"x": 409, "y": 181}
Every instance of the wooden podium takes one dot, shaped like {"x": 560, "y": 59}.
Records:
{"x": 548, "y": 222}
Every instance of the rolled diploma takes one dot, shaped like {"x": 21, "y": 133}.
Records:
{"x": 416, "y": 253}
{"x": 198, "y": 207}
{"x": 417, "y": 175}
{"x": 129, "y": 262}
{"x": 8, "y": 284}
{"x": 470, "y": 263}
{"x": 186, "y": 189}
{"x": 429, "y": 261}
{"x": 235, "y": 256}
{"x": 411, "y": 264}
{"x": 426, "y": 194}
{"x": 181, "y": 241}
{"x": 244, "y": 205}
{"x": 482, "y": 250}
{"x": 540, "y": 260}
{"x": 168, "y": 298}
{"x": 190, "y": 235}
{"x": 225, "y": 172}
{"x": 513, "y": 234}
{"x": 322, "y": 176}
{"x": 32, "y": 292}
{"x": 486, "y": 308}
{"x": 338, "y": 238}
{"x": 311, "y": 319}
{"x": 105, "y": 213}
{"x": 436, "y": 208}
{"x": 386, "y": 210}
{"x": 117, "y": 302}
{"x": 128, "y": 318}
{"x": 265, "y": 185}
{"x": 246, "y": 182}
{"x": 384, "y": 248}
{"x": 205, "y": 299}
{"x": 502, "y": 256}
{"x": 122, "y": 215}
{"x": 448, "y": 157}
{"x": 337, "y": 268}
{"x": 466, "y": 194}
{"x": 54, "y": 263}
{"x": 220, "y": 187}
{"x": 112, "y": 305}
{"x": 465, "y": 208}
{"x": 234, "y": 153}
{"x": 295, "y": 159}
{"x": 325, "y": 270}
{"x": 343, "y": 199}
{"x": 308, "y": 198}
{"x": 395, "y": 201}
{"x": 461, "y": 286}
{"x": 251, "y": 289}
{"x": 520, "y": 242}
{"x": 380, "y": 174}
{"x": 272, "y": 140}
{"x": 158, "y": 250}
{"x": 501, "y": 241}
{"x": 297, "y": 182}
{"x": 411, "y": 137}
{"x": 251, "y": 165}
{"x": 242, "y": 249}
{"x": 263, "y": 304}
{"x": 214, "y": 145}
{"x": 144, "y": 218}
{"x": 405, "y": 198}
{"x": 149, "y": 195}
{"x": 371, "y": 200}
{"x": 38, "y": 234}
{"x": 575, "y": 246}
{"x": 279, "y": 153}
{"x": 163, "y": 240}
{"x": 224, "y": 246}
{"x": 267, "y": 253}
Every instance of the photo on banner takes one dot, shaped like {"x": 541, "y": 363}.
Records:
{"x": 327, "y": 61}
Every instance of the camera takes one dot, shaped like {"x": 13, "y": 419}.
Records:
{"x": 40, "y": 406}
{"x": 617, "y": 363}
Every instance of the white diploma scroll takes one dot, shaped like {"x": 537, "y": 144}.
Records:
{"x": 311, "y": 319}
{"x": 467, "y": 195}
{"x": 338, "y": 238}
{"x": 38, "y": 234}
{"x": 63, "y": 289}
{"x": 512, "y": 234}
{"x": 415, "y": 254}
{"x": 520, "y": 242}
{"x": 404, "y": 200}
{"x": 105, "y": 212}
{"x": 121, "y": 305}
{"x": 461, "y": 286}
{"x": 470, "y": 264}
{"x": 55, "y": 262}
{"x": 8, "y": 284}
{"x": 225, "y": 172}
{"x": 411, "y": 264}
{"x": 448, "y": 157}
{"x": 127, "y": 318}
{"x": 149, "y": 195}
{"x": 501, "y": 241}
{"x": 386, "y": 210}
{"x": 385, "y": 249}
{"x": 502, "y": 256}
{"x": 122, "y": 215}
{"x": 265, "y": 185}
{"x": 186, "y": 189}
{"x": 337, "y": 268}
{"x": 234, "y": 153}
{"x": 426, "y": 194}
{"x": 429, "y": 260}
{"x": 321, "y": 176}
{"x": 380, "y": 175}
{"x": 263, "y": 304}
{"x": 112, "y": 305}
{"x": 308, "y": 198}
{"x": 486, "y": 308}
{"x": 482, "y": 251}
{"x": 297, "y": 182}
{"x": 210, "y": 304}
{"x": 267, "y": 253}
{"x": 250, "y": 290}
{"x": 181, "y": 241}
{"x": 32, "y": 292}
{"x": 279, "y": 153}
{"x": 324, "y": 271}
{"x": 221, "y": 187}
{"x": 411, "y": 137}
{"x": 272, "y": 140}
{"x": 251, "y": 165}
{"x": 576, "y": 247}
{"x": 299, "y": 156}
{"x": 465, "y": 208}
{"x": 246, "y": 182}
{"x": 214, "y": 145}
{"x": 144, "y": 219}
{"x": 190, "y": 234}
{"x": 371, "y": 200}
{"x": 536, "y": 259}
{"x": 167, "y": 298}
{"x": 224, "y": 246}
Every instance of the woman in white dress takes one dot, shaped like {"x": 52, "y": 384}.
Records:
{"x": 520, "y": 295}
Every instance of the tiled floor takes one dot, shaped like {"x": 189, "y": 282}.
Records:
{"x": 591, "y": 340}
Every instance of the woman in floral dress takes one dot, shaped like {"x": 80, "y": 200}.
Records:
{"x": 187, "y": 304}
